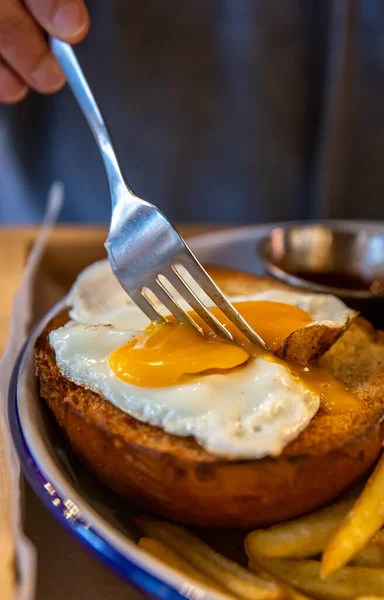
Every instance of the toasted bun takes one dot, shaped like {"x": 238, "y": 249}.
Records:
{"x": 176, "y": 478}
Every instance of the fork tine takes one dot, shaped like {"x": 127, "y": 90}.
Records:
{"x": 165, "y": 296}
{"x": 146, "y": 306}
{"x": 201, "y": 277}
{"x": 189, "y": 296}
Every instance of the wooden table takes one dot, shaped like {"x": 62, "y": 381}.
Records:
{"x": 68, "y": 251}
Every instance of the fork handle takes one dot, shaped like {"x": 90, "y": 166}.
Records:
{"x": 83, "y": 94}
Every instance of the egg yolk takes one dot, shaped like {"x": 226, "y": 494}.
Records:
{"x": 169, "y": 353}
{"x": 334, "y": 396}
{"x": 273, "y": 321}
{"x": 166, "y": 352}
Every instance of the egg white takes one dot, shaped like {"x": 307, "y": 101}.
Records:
{"x": 97, "y": 298}
{"x": 252, "y": 412}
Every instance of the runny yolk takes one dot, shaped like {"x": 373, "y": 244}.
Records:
{"x": 169, "y": 353}
{"x": 334, "y": 396}
{"x": 273, "y": 321}
{"x": 163, "y": 354}
{"x": 166, "y": 352}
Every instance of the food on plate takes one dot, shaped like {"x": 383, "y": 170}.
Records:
{"x": 183, "y": 550}
{"x": 306, "y": 536}
{"x": 213, "y": 433}
{"x": 300, "y": 333}
{"x": 236, "y": 579}
{"x": 362, "y": 522}
{"x": 371, "y": 555}
{"x": 309, "y": 535}
{"x": 358, "y": 541}
{"x": 347, "y": 584}
{"x": 168, "y": 556}
{"x": 291, "y": 577}
{"x": 218, "y": 434}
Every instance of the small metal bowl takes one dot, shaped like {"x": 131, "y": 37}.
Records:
{"x": 344, "y": 260}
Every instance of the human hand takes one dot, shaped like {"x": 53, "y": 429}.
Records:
{"x": 25, "y": 58}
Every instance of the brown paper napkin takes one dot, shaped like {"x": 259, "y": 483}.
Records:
{"x": 15, "y": 548}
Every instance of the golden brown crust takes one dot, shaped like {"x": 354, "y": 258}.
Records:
{"x": 178, "y": 479}
{"x": 307, "y": 345}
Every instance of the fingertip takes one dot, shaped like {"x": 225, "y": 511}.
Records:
{"x": 11, "y": 98}
{"x": 82, "y": 33}
{"x": 71, "y": 22}
{"x": 12, "y": 88}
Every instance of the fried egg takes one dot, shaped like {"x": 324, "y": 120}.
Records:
{"x": 236, "y": 400}
{"x": 97, "y": 298}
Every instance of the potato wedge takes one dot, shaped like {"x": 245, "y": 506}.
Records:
{"x": 359, "y": 526}
{"x": 234, "y": 578}
{"x": 348, "y": 584}
{"x": 302, "y": 537}
{"x": 173, "y": 560}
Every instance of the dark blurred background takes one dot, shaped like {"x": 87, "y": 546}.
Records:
{"x": 222, "y": 110}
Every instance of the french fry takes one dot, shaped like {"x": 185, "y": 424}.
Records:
{"x": 302, "y": 537}
{"x": 359, "y": 526}
{"x": 295, "y": 595}
{"x": 371, "y": 556}
{"x": 307, "y": 536}
{"x": 170, "y": 558}
{"x": 290, "y": 593}
{"x": 233, "y": 577}
{"x": 370, "y": 598}
{"x": 348, "y": 584}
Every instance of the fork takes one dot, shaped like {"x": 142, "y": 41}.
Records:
{"x": 150, "y": 259}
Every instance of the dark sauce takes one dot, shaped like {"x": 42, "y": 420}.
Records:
{"x": 346, "y": 281}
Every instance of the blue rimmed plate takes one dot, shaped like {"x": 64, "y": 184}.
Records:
{"x": 95, "y": 516}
